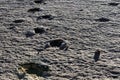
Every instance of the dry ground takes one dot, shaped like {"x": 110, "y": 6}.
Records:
{"x": 86, "y": 25}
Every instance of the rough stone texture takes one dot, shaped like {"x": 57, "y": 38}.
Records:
{"x": 75, "y": 22}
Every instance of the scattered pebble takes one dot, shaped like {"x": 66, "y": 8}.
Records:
{"x": 39, "y": 30}
{"x": 113, "y": 4}
{"x": 18, "y": 21}
{"x": 39, "y": 1}
{"x": 97, "y": 55}
{"x": 49, "y": 17}
{"x": 102, "y": 19}
{"x": 33, "y": 10}
{"x": 29, "y": 33}
{"x": 57, "y": 43}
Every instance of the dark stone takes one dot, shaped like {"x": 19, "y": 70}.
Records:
{"x": 102, "y": 19}
{"x": 18, "y": 21}
{"x": 96, "y": 55}
{"x": 57, "y": 43}
{"x": 39, "y": 1}
{"x": 113, "y": 4}
{"x": 39, "y": 30}
{"x": 29, "y": 34}
{"x": 33, "y": 10}
{"x": 49, "y": 17}
{"x": 63, "y": 46}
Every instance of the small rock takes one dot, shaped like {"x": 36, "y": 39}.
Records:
{"x": 39, "y": 30}
{"x": 113, "y": 4}
{"x": 97, "y": 55}
{"x": 18, "y": 21}
{"x": 39, "y": 1}
{"x": 49, "y": 17}
{"x": 115, "y": 72}
{"x": 29, "y": 33}
{"x": 33, "y": 10}
{"x": 102, "y": 19}
{"x": 57, "y": 43}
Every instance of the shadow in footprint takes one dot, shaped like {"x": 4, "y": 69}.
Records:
{"x": 102, "y": 19}
{"x": 39, "y": 1}
{"x": 40, "y": 69}
{"x": 33, "y": 10}
{"x": 113, "y": 4}
{"x": 39, "y": 30}
{"x": 49, "y": 17}
{"x": 57, "y": 43}
{"x": 18, "y": 21}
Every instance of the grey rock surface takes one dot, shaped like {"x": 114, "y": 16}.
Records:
{"x": 86, "y": 25}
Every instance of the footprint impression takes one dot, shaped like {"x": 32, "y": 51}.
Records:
{"x": 33, "y": 69}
